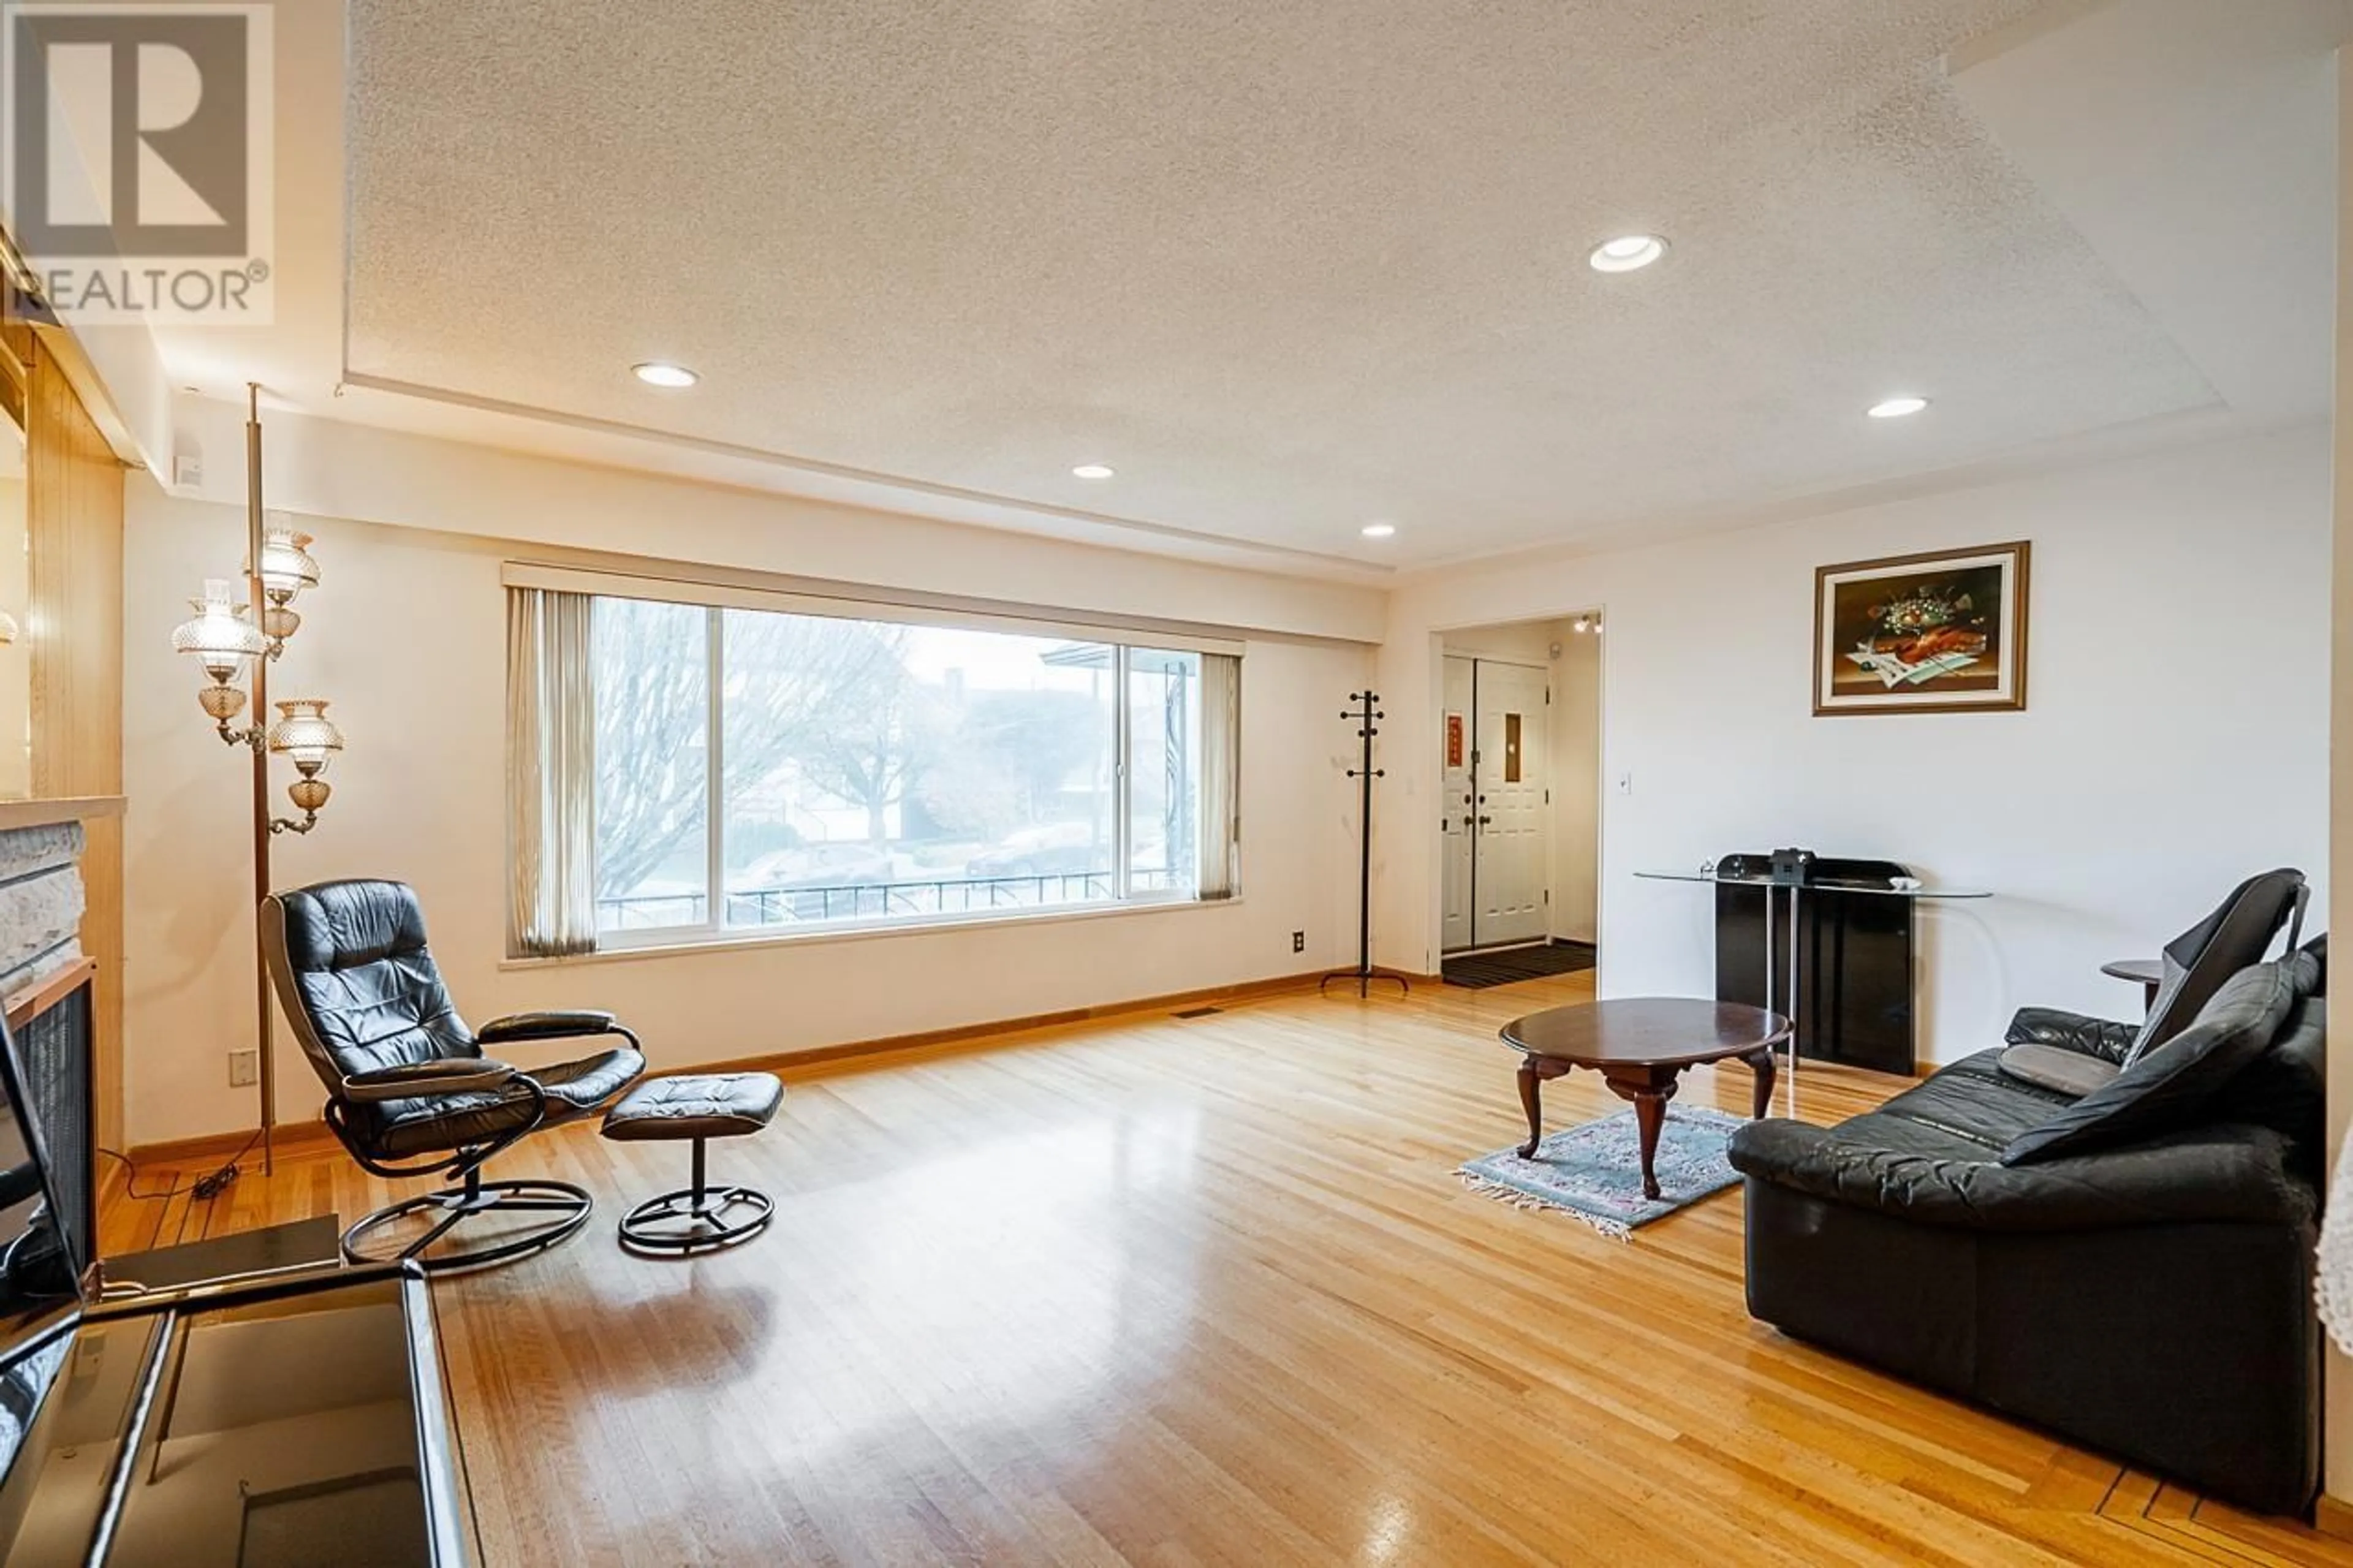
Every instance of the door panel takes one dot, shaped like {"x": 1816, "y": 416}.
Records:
{"x": 1513, "y": 817}
{"x": 1456, "y": 842}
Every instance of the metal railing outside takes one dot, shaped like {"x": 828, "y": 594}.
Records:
{"x": 753, "y": 907}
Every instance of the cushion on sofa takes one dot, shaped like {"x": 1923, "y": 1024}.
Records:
{"x": 2072, "y": 1032}
{"x": 2199, "y": 962}
{"x": 2286, "y": 1088}
{"x": 1968, "y": 1109}
{"x": 2171, "y": 1086}
{"x": 2222, "y": 1174}
{"x": 2054, "y": 1067}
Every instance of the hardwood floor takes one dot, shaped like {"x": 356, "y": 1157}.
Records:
{"x": 1203, "y": 1292}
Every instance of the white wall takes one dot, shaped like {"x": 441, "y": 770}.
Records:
{"x": 406, "y": 636}
{"x": 1577, "y": 786}
{"x": 324, "y": 468}
{"x": 2175, "y": 739}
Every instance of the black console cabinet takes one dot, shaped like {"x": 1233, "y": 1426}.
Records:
{"x": 1854, "y": 956}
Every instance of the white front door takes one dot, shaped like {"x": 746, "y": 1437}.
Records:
{"x": 1455, "y": 805}
{"x": 1512, "y": 805}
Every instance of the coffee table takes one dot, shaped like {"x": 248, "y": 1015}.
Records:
{"x": 1640, "y": 1046}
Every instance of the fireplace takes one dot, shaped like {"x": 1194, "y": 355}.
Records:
{"x": 46, "y": 989}
{"x": 53, "y": 1043}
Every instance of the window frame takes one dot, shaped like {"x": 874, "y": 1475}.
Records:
{"x": 1123, "y": 641}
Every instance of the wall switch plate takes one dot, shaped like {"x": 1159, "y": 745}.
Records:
{"x": 1625, "y": 784}
{"x": 1299, "y": 941}
{"x": 244, "y": 1068}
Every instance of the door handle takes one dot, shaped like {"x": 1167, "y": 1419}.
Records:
{"x": 1486, "y": 820}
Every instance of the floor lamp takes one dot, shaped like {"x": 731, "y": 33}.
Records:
{"x": 229, "y": 638}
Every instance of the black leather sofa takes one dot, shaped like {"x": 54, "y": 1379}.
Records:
{"x": 2141, "y": 1284}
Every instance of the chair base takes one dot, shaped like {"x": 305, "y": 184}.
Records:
{"x": 566, "y": 1205}
{"x": 693, "y": 1220}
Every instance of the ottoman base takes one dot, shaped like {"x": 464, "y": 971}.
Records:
{"x": 696, "y": 1219}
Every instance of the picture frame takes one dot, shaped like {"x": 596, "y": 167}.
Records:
{"x": 1940, "y": 632}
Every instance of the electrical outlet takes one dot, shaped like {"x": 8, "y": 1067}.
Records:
{"x": 1299, "y": 941}
{"x": 243, "y": 1067}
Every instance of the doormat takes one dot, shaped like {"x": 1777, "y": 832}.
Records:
{"x": 1480, "y": 970}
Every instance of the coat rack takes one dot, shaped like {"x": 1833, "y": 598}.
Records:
{"x": 1363, "y": 714}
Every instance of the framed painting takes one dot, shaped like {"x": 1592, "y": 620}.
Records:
{"x": 1940, "y": 633}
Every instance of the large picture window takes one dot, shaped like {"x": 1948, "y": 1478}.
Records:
{"x": 769, "y": 770}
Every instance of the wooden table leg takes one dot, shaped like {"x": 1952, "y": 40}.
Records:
{"x": 1531, "y": 1101}
{"x": 1764, "y": 1065}
{"x": 1649, "y": 1115}
{"x": 1650, "y": 1089}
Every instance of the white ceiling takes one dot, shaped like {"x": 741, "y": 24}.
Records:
{"x": 1295, "y": 267}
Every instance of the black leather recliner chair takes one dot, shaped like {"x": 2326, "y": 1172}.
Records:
{"x": 2131, "y": 1269}
{"x": 407, "y": 1081}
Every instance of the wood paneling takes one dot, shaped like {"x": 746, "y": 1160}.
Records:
{"x": 1192, "y": 1291}
{"x": 73, "y": 490}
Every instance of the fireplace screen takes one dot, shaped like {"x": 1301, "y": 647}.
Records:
{"x": 55, "y": 1046}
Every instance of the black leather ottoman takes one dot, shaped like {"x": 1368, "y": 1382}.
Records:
{"x": 698, "y": 1106}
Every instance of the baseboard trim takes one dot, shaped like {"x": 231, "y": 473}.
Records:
{"x": 301, "y": 1137}
{"x": 291, "y": 1137}
{"x": 961, "y": 1033}
{"x": 2332, "y": 1517}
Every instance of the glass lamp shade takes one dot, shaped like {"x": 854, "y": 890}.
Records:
{"x": 303, "y": 735}
{"x": 286, "y": 566}
{"x": 219, "y": 635}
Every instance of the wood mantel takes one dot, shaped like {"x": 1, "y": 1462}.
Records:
{"x": 29, "y": 1003}
{"x": 49, "y": 810}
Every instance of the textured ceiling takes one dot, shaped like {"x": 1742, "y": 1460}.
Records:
{"x": 1290, "y": 267}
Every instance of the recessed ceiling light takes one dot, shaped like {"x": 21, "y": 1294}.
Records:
{"x": 1380, "y": 531}
{"x": 1094, "y": 472}
{"x": 656, "y": 373}
{"x": 1897, "y": 407}
{"x": 1628, "y": 253}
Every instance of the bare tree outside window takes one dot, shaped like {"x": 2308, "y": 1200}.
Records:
{"x": 877, "y": 770}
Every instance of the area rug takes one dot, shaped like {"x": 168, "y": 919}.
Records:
{"x": 1480, "y": 970}
{"x": 1594, "y": 1171}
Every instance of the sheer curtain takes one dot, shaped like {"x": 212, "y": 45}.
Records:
{"x": 551, "y": 775}
{"x": 1221, "y": 747}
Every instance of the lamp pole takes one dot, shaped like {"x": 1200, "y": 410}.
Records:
{"x": 265, "y": 1067}
{"x": 225, "y": 637}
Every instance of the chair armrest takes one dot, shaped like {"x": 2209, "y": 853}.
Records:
{"x": 2072, "y": 1032}
{"x": 422, "y": 1080}
{"x": 2226, "y": 1173}
{"x": 558, "y": 1023}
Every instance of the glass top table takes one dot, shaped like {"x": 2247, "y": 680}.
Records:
{"x": 1822, "y": 885}
{"x": 1782, "y": 989}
